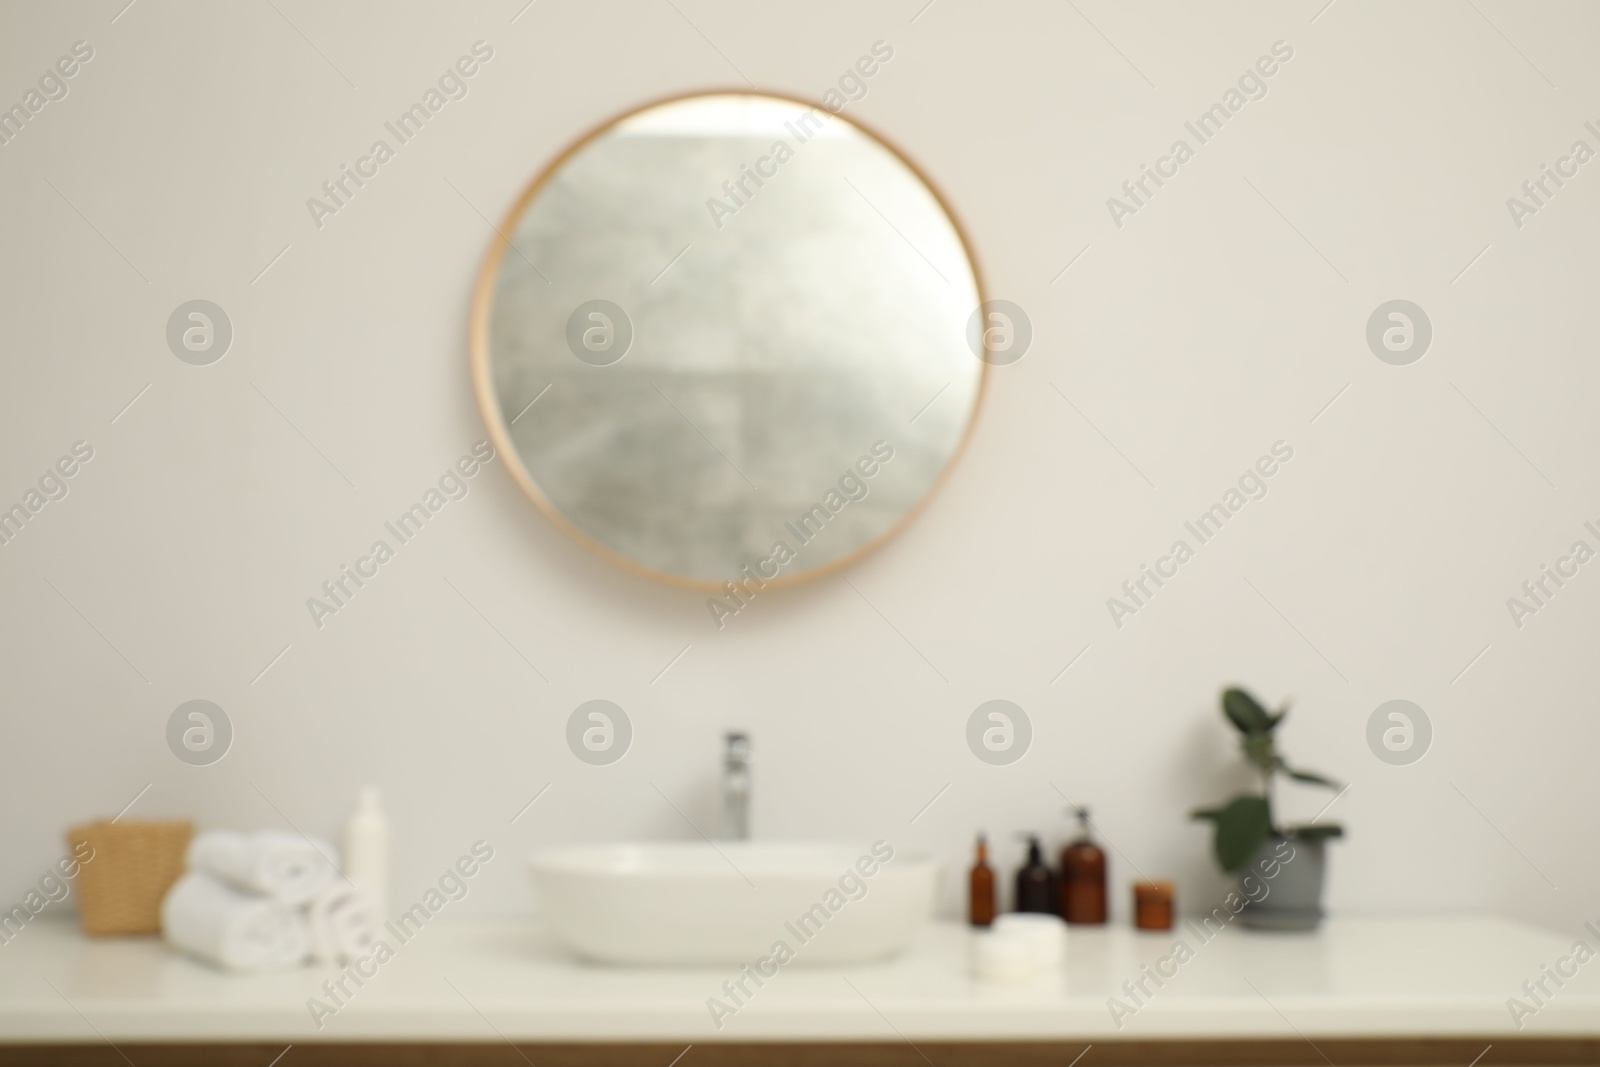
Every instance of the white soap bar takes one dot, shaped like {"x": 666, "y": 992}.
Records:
{"x": 997, "y": 958}
{"x": 1044, "y": 935}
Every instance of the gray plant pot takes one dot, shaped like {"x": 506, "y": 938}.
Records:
{"x": 1293, "y": 897}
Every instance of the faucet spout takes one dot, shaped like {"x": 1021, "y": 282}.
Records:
{"x": 735, "y": 818}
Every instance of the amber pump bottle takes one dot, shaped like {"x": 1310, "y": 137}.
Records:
{"x": 980, "y": 888}
{"x": 1036, "y": 883}
{"x": 1083, "y": 877}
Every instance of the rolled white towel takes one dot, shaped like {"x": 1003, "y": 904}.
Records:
{"x": 345, "y": 923}
{"x": 234, "y": 930}
{"x": 285, "y": 866}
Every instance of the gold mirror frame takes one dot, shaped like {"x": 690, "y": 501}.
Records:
{"x": 478, "y": 355}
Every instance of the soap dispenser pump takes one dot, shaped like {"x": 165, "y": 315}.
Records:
{"x": 1083, "y": 876}
{"x": 1036, "y": 885}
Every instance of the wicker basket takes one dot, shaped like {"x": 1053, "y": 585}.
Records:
{"x": 132, "y": 866}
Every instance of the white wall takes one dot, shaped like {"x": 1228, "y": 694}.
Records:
{"x": 1204, "y": 329}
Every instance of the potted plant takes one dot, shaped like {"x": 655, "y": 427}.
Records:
{"x": 1280, "y": 867}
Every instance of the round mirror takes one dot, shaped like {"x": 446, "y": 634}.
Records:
{"x": 725, "y": 337}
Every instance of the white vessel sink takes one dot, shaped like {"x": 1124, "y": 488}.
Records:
{"x": 690, "y": 902}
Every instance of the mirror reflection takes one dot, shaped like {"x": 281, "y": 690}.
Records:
{"x": 728, "y": 338}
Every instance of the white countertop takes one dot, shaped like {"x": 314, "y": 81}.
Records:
{"x": 464, "y": 981}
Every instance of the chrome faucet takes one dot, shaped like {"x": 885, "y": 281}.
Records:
{"x": 735, "y": 819}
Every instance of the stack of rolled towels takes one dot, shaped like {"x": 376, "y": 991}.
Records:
{"x": 265, "y": 901}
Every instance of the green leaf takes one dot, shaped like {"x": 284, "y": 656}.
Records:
{"x": 1315, "y": 831}
{"x": 1313, "y": 779}
{"x": 1241, "y": 828}
{"x": 1206, "y": 813}
{"x": 1245, "y": 712}
{"x": 1304, "y": 776}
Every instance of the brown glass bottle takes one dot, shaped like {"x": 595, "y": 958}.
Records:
{"x": 1083, "y": 877}
{"x": 1036, "y": 883}
{"x": 980, "y": 888}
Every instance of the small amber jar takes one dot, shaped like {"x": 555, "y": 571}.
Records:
{"x": 1152, "y": 905}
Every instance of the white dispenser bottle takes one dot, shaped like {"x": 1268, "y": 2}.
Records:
{"x": 366, "y": 848}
